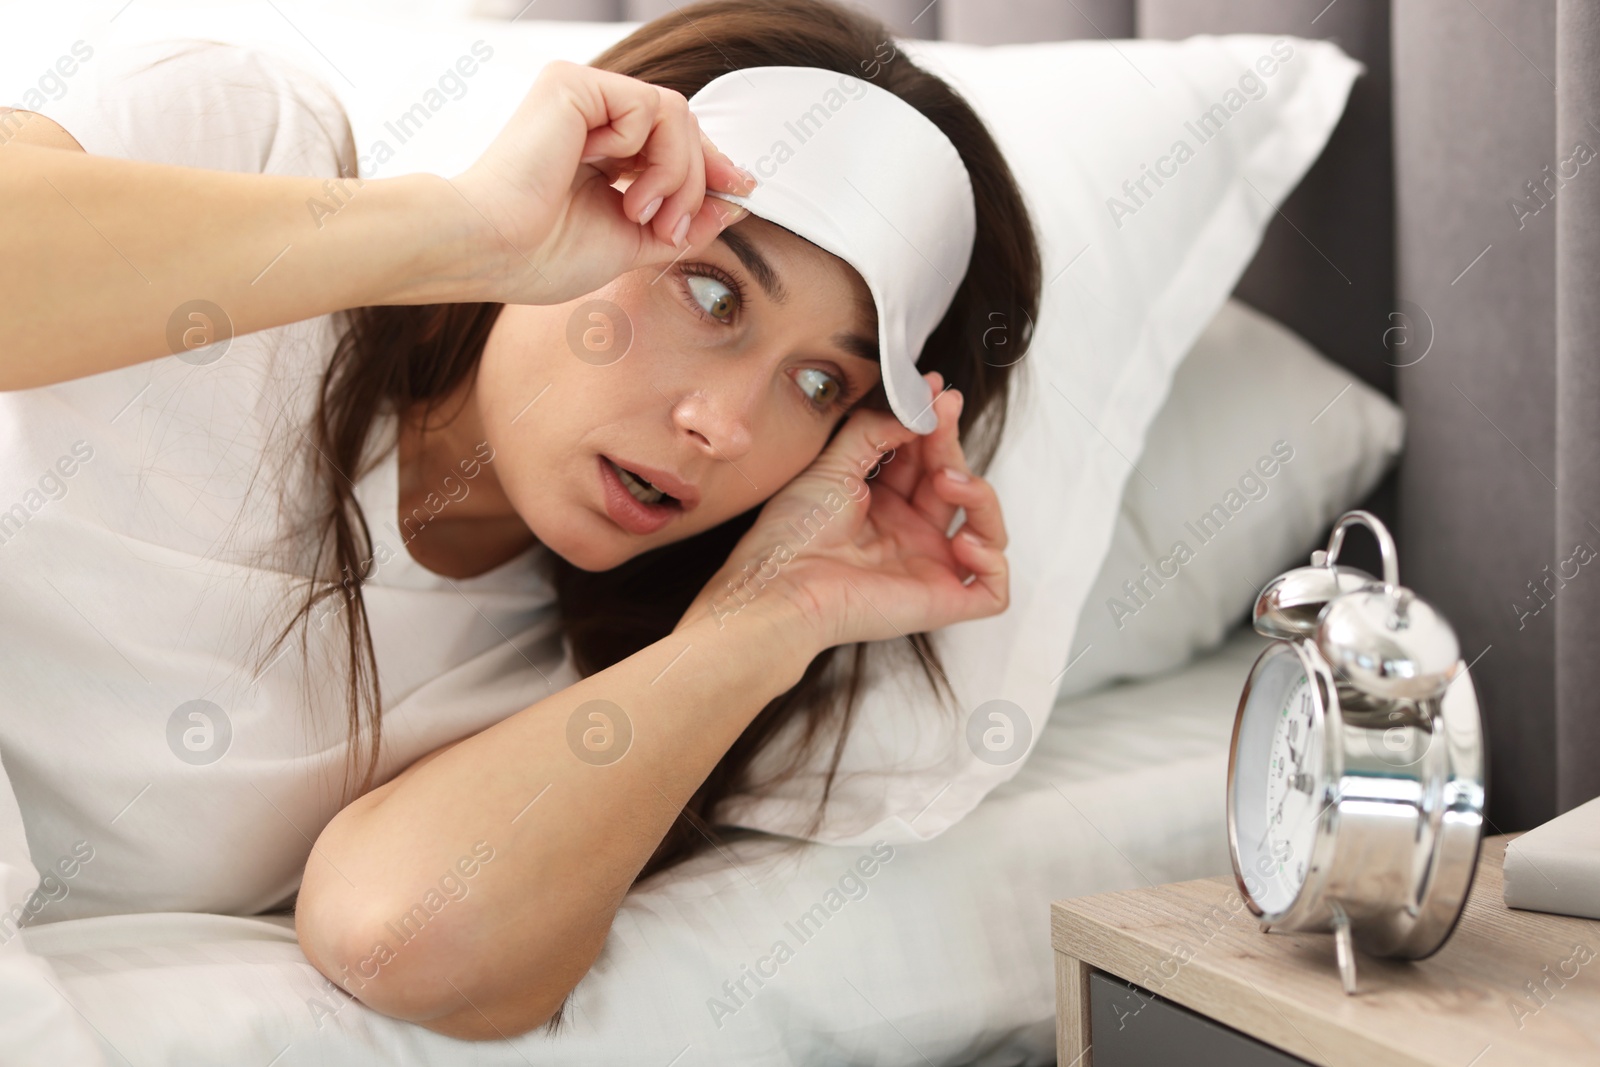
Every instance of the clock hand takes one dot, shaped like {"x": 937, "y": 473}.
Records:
{"x": 1270, "y": 821}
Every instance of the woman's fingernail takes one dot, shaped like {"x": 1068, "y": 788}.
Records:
{"x": 732, "y": 215}
{"x": 956, "y": 476}
{"x": 593, "y": 159}
{"x": 970, "y": 536}
{"x": 680, "y": 230}
{"x": 749, "y": 179}
{"x": 649, "y": 211}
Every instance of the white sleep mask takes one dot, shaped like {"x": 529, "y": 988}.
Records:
{"x": 858, "y": 172}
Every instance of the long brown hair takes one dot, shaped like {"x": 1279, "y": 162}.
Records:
{"x": 411, "y": 356}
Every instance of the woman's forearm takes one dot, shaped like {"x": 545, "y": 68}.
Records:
{"x": 104, "y": 259}
{"x": 109, "y": 262}
{"x": 552, "y": 830}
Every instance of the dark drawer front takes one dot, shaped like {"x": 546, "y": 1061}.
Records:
{"x": 1132, "y": 1027}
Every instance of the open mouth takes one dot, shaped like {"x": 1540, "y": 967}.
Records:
{"x": 641, "y": 489}
{"x": 632, "y": 502}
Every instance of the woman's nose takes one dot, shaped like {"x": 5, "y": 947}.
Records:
{"x": 719, "y": 421}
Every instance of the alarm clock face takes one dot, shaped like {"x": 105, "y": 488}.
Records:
{"x": 1276, "y": 777}
{"x": 1294, "y": 755}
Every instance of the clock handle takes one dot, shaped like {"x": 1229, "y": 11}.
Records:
{"x": 1344, "y": 948}
{"x": 1386, "y": 549}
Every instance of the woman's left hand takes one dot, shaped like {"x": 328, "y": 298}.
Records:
{"x": 870, "y": 560}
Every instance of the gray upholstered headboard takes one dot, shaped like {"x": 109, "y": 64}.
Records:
{"x": 1404, "y": 257}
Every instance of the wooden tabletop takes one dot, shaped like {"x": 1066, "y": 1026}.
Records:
{"x": 1510, "y": 988}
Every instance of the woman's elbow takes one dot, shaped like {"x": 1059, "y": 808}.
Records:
{"x": 423, "y": 975}
{"x": 471, "y": 1024}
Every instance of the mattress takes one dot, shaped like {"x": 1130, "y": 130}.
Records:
{"x": 765, "y": 952}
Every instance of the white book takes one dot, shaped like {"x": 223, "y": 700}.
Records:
{"x": 1556, "y": 867}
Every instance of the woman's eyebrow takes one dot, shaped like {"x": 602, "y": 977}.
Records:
{"x": 756, "y": 264}
{"x": 864, "y": 349}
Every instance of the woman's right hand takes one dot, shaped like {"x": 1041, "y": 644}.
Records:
{"x": 550, "y": 227}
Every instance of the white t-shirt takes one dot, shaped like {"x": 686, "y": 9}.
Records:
{"x": 145, "y": 754}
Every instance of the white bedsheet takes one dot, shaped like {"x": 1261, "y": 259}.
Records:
{"x": 940, "y": 956}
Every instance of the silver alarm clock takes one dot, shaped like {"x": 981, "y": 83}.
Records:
{"x": 1356, "y": 770}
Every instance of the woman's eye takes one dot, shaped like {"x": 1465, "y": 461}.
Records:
{"x": 715, "y": 298}
{"x": 826, "y": 385}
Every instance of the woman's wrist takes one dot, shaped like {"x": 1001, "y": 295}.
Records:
{"x": 442, "y": 251}
{"x": 788, "y": 636}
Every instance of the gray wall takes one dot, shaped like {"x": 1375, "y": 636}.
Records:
{"x": 1475, "y": 119}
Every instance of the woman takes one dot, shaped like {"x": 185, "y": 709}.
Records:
{"x": 462, "y": 300}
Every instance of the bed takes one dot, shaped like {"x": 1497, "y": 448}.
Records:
{"x": 942, "y": 956}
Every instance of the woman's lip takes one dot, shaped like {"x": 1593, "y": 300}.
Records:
{"x": 627, "y": 512}
{"x": 686, "y": 495}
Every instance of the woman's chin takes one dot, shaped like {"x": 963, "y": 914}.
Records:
{"x": 587, "y": 550}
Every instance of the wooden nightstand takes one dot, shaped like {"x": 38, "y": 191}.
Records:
{"x": 1509, "y": 988}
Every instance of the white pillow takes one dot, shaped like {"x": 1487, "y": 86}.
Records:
{"x": 1261, "y": 444}
{"x": 1131, "y": 281}
{"x": 1126, "y": 296}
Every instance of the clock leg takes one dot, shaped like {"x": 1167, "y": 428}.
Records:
{"x": 1344, "y": 948}
{"x": 1072, "y": 1011}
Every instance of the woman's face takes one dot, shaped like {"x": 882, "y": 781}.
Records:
{"x": 726, "y": 371}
